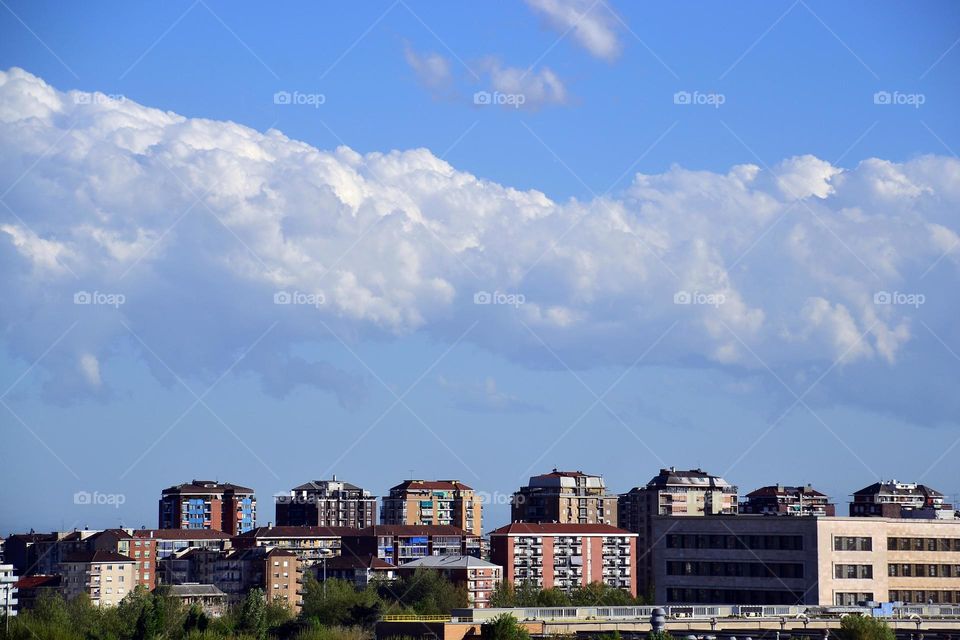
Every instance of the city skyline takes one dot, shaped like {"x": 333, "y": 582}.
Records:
{"x": 269, "y": 245}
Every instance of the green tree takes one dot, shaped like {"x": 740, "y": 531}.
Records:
{"x": 600, "y": 594}
{"x": 659, "y": 635}
{"x": 197, "y": 620}
{"x": 526, "y": 594}
{"x": 504, "y": 627}
{"x": 855, "y": 627}
{"x": 553, "y": 597}
{"x": 252, "y": 618}
{"x": 426, "y": 592}
{"x": 503, "y": 595}
{"x": 339, "y": 603}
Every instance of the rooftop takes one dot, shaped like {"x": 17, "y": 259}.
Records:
{"x": 554, "y": 528}
{"x": 196, "y": 590}
{"x": 205, "y": 487}
{"x": 97, "y": 557}
{"x": 433, "y": 485}
{"x": 451, "y": 561}
{"x": 181, "y": 534}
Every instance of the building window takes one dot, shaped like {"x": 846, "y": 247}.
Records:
{"x": 852, "y": 543}
{"x": 853, "y": 571}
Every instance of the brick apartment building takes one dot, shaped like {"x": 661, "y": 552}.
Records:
{"x": 205, "y": 504}
{"x": 235, "y": 572}
{"x": 565, "y": 497}
{"x": 566, "y": 556}
{"x": 309, "y": 543}
{"x": 806, "y": 560}
{"x": 155, "y": 549}
{"x": 327, "y": 503}
{"x": 433, "y": 502}
{"x": 892, "y": 499}
{"x": 780, "y": 500}
{"x": 399, "y": 544}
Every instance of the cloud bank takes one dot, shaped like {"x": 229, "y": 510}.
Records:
{"x": 219, "y": 238}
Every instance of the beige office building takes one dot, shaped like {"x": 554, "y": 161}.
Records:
{"x": 823, "y": 561}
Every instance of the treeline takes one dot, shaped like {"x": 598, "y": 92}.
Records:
{"x": 334, "y": 610}
{"x": 596, "y": 594}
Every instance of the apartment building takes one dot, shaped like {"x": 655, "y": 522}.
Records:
{"x": 893, "y": 499}
{"x": 671, "y": 492}
{"x": 205, "y": 504}
{"x": 154, "y": 550}
{"x": 399, "y": 544}
{"x": 433, "y": 502}
{"x": 806, "y": 560}
{"x": 780, "y": 500}
{"x": 566, "y": 556}
{"x": 309, "y": 543}
{"x": 478, "y": 577}
{"x": 105, "y": 576}
{"x": 327, "y": 503}
{"x": 40, "y": 553}
{"x": 277, "y": 571}
{"x": 8, "y": 591}
{"x": 565, "y": 497}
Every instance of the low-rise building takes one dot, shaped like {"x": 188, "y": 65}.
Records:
{"x": 211, "y": 600}
{"x": 780, "y": 500}
{"x": 105, "y": 576}
{"x": 566, "y": 556}
{"x": 479, "y": 577}
{"x": 806, "y": 560}
{"x": 359, "y": 570}
{"x": 564, "y": 496}
{"x": 327, "y": 503}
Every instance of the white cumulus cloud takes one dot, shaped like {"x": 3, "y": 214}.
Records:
{"x": 200, "y": 223}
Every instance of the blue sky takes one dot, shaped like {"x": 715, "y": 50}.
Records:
{"x": 793, "y": 202}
